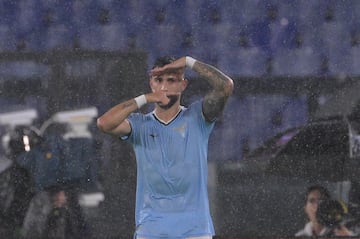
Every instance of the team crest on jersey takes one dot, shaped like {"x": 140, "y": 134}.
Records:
{"x": 181, "y": 129}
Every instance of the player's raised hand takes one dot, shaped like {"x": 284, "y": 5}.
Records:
{"x": 176, "y": 65}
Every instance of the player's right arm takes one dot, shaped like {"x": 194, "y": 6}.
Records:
{"x": 115, "y": 122}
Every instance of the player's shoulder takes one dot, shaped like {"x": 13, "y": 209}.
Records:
{"x": 194, "y": 106}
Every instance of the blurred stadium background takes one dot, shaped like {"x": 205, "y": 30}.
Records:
{"x": 291, "y": 60}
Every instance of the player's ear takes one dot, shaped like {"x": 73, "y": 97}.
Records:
{"x": 184, "y": 84}
{"x": 151, "y": 82}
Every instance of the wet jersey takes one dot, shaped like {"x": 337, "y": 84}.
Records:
{"x": 171, "y": 194}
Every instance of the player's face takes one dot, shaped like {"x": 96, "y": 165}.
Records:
{"x": 173, "y": 83}
{"x": 170, "y": 82}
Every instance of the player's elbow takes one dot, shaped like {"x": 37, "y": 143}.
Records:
{"x": 109, "y": 127}
{"x": 101, "y": 124}
{"x": 229, "y": 87}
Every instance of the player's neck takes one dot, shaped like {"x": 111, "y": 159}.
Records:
{"x": 167, "y": 115}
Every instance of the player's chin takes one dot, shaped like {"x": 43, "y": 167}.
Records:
{"x": 172, "y": 100}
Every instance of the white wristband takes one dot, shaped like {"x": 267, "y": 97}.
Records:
{"x": 189, "y": 62}
{"x": 140, "y": 101}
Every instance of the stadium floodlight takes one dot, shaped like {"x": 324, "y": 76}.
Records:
{"x": 15, "y": 118}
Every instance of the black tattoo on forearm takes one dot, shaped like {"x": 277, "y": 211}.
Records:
{"x": 222, "y": 86}
{"x": 218, "y": 80}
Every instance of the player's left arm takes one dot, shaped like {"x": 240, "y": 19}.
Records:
{"x": 222, "y": 87}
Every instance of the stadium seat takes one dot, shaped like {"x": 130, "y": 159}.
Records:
{"x": 289, "y": 9}
{"x": 335, "y": 35}
{"x": 298, "y": 62}
{"x": 27, "y": 17}
{"x": 161, "y": 27}
{"x": 339, "y": 63}
{"x": 85, "y": 13}
{"x": 355, "y": 61}
{"x": 59, "y": 37}
{"x": 192, "y": 17}
{"x": 90, "y": 38}
{"x": 119, "y": 12}
{"x": 7, "y": 12}
{"x": 109, "y": 3}
{"x": 243, "y": 62}
{"x": 23, "y": 69}
{"x": 165, "y": 39}
{"x": 7, "y": 39}
{"x": 56, "y": 12}
{"x": 284, "y": 34}
{"x": 353, "y": 12}
{"x": 343, "y": 10}
{"x": 309, "y": 37}
{"x": 114, "y": 36}
{"x": 133, "y": 13}
{"x": 159, "y": 12}
{"x": 259, "y": 34}
{"x": 309, "y": 13}
{"x": 242, "y": 13}
{"x": 214, "y": 36}
{"x": 103, "y": 37}
{"x": 336, "y": 44}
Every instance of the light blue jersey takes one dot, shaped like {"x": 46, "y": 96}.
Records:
{"x": 171, "y": 196}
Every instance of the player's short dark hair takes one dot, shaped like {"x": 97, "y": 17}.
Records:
{"x": 162, "y": 61}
